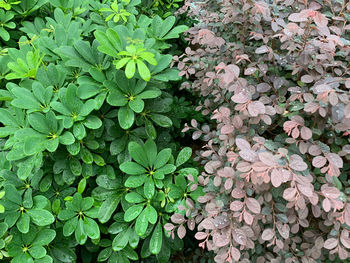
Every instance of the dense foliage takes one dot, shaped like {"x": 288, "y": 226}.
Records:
{"x": 274, "y": 78}
{"x": 89, "y": 167}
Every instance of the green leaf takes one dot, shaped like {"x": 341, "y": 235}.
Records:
{"x": 91, "y": 228}
{"x": 41, "y": 217}
{"x": 67, "y": 138}
{"x": 81, "y": 185}
{"x": 108, "y": 207}
{"x": 143, "y": 70}
{"x": 70, "y": 226}
{"x": 161, "y": 120}
{"x": 126, "y": 117}
{"x": 44, "y": 237}
{"x": 149, "y": 188}
{"x": 130, "y": 69}
{"x": 162, "y": 158}
{"x": 167, "y": 169}
{"x": 134, "y": 197}
{"x": 132, "y": 168}
{"x": 133, "y": 212}
{"x": 105, "y": 45}
{"x": 151, "y": 214}
{"x": 66, "y": 214}
{"x": 150, "y": 130}
{"x": 137, "y": 105}
{"x": 151, "y": 151}
{"x": 116, "y": 98}
{"x": 137, "y": 152}
{"x": 150, "y": 94}
{"x": 86, "y": 156}
{"x": 135, "y": 180}
{"x": 184, "y": 155}
{"x": 12, "y": 194}
{"x": 80, "y": 234}
{"x": 156, "y": 240}
{"x": 92, "y": 122}
{"x": 141, "y": 224}
{"x": 37, "y": 251}
{"x": 23, "y": 223}
{"x": 121, "y": 240}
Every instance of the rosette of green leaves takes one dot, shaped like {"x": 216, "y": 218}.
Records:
{"x": 46, "y": 133}
{"x": 29, "y": 247}
{"x": 154, "y": 114}
{"x": 24, "y": 210}
{"x": 130, "y": 96}
{"x": 79, "y": 214}
{"x": 37, "y": 99}
{"x": 76, "y": 113}
{"x": 148, "y": 168}
{"x": 25, "y": 61}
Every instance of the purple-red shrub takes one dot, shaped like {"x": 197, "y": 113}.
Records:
{"x": 274, "y": 78}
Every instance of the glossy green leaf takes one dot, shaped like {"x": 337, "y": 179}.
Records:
{"x": 155, "y": 244}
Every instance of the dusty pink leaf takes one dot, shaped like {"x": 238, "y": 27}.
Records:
{"x": 322, "y": 88}
{"x": 289, "y": 194}
{"x": 248, "y": 218}
{"x": 240, "y": 98}
{"x": 244, "y": 167}
{"x": 267, "y": 158}
{"x": 326, "y": 204}
{"x": 235, "y": 253}
{"x": 295, "y": 17}
{"x": 263, "y": 87}
{"x": 200, "y": 235}
{"x": 307, "y": 79}
{"x": 227, "y": 129}
{"x": 319, "y": 161}
{"x": 330, "y": 243}
{"x": 335, "y": 159}
{"x": 239, "y": 236}
{"x": 276, "y": 177}
{"x": 297, "y": 163}
{"x": 261, "y": 50}
{"x": 330, "y": 191}
{"x": 208, "y": 224}
{"x": 255, "y": 108}
{"x": 242, "y": 144}
{"x": 268, "y": 234}
{"x": 347, "y": 111}
{"x": 305, "y": 189}
{"x": 181, "y": 231}
{"x": 237, "y": 193}
{"x": 169, "y": 226}
{"x": 306, "y": 133}
{"x": 177, "y": 219}
{"x": 345, "y": 241}
{"x": 253, "y": 205}
{"x": 236, "y": 205}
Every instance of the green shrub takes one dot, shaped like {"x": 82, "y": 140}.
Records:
{"x": 90, "y": 168}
